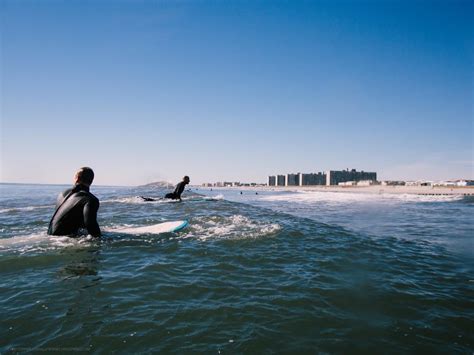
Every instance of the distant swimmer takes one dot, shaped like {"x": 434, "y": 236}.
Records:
{"x": 76, "y": 208}
{"x": 176, "y": 194}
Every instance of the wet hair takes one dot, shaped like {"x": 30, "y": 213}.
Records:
{"x": 85, "y": 175}
{"x": 186, "y": 177}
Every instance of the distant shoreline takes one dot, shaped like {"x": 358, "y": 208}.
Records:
{"x": 376, "y": 189}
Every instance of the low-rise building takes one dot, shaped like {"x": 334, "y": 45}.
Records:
{"x": 347, "y": 183}
{"x": 454, "y": 183}
{"x": 393, "y": 183}
{"x": 367, "y": 183}
{"x": 419, "y": 183}
{"x": 465, "y": 183}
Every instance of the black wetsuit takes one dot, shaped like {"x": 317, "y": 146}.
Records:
{"x": 76, "y": 208}
{"x": 176, "y": 195}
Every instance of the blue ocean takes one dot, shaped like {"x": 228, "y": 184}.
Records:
{"x": 256, "y": 271}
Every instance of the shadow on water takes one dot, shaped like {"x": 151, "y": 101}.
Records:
{"x": 81, "y": 262}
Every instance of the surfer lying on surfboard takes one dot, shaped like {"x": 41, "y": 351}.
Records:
{"x": 175, "y": 195}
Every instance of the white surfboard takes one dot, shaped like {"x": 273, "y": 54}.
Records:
{"x": 165, "y": 227}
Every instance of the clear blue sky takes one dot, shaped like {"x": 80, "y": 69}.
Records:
{"x": 235, "y": 90}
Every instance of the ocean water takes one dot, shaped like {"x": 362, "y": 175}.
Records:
{"x": 257, "y": 272}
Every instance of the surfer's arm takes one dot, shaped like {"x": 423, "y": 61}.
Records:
{"x": 179, "y": 190}
{"x": 176, "y": 190}
{"x": 90, "y": 217}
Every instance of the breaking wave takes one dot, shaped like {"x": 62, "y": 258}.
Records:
{"x": 233, "y": 227}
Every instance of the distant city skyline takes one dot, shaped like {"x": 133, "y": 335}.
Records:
{"x": 149, "y": 91}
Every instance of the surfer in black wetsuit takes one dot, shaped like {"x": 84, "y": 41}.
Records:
{"x": 176, "y": 195}
{"x": 76, "y": 208}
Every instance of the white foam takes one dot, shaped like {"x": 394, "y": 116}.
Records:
{"x": 218, "y": 197}
{"x": 233, "y": 227}
{"x": 348, "y": 197}
{"x": 424, "y": 198}
{"x": 27, "y": 208}
{"x": 41, "y": 242}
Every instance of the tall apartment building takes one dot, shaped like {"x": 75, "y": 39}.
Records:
{"x": 312, "y": 179}
{"x": 272, "y": 180}
{"x": 292, "y": 180}
{"x": 331, "y": 177}
{"x": 334, "y": 177}
{"x": 280, "y": 180}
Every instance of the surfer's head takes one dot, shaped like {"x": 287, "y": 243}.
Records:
{"x": 186, "y": 179}
{"x": 84, "y": 176}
